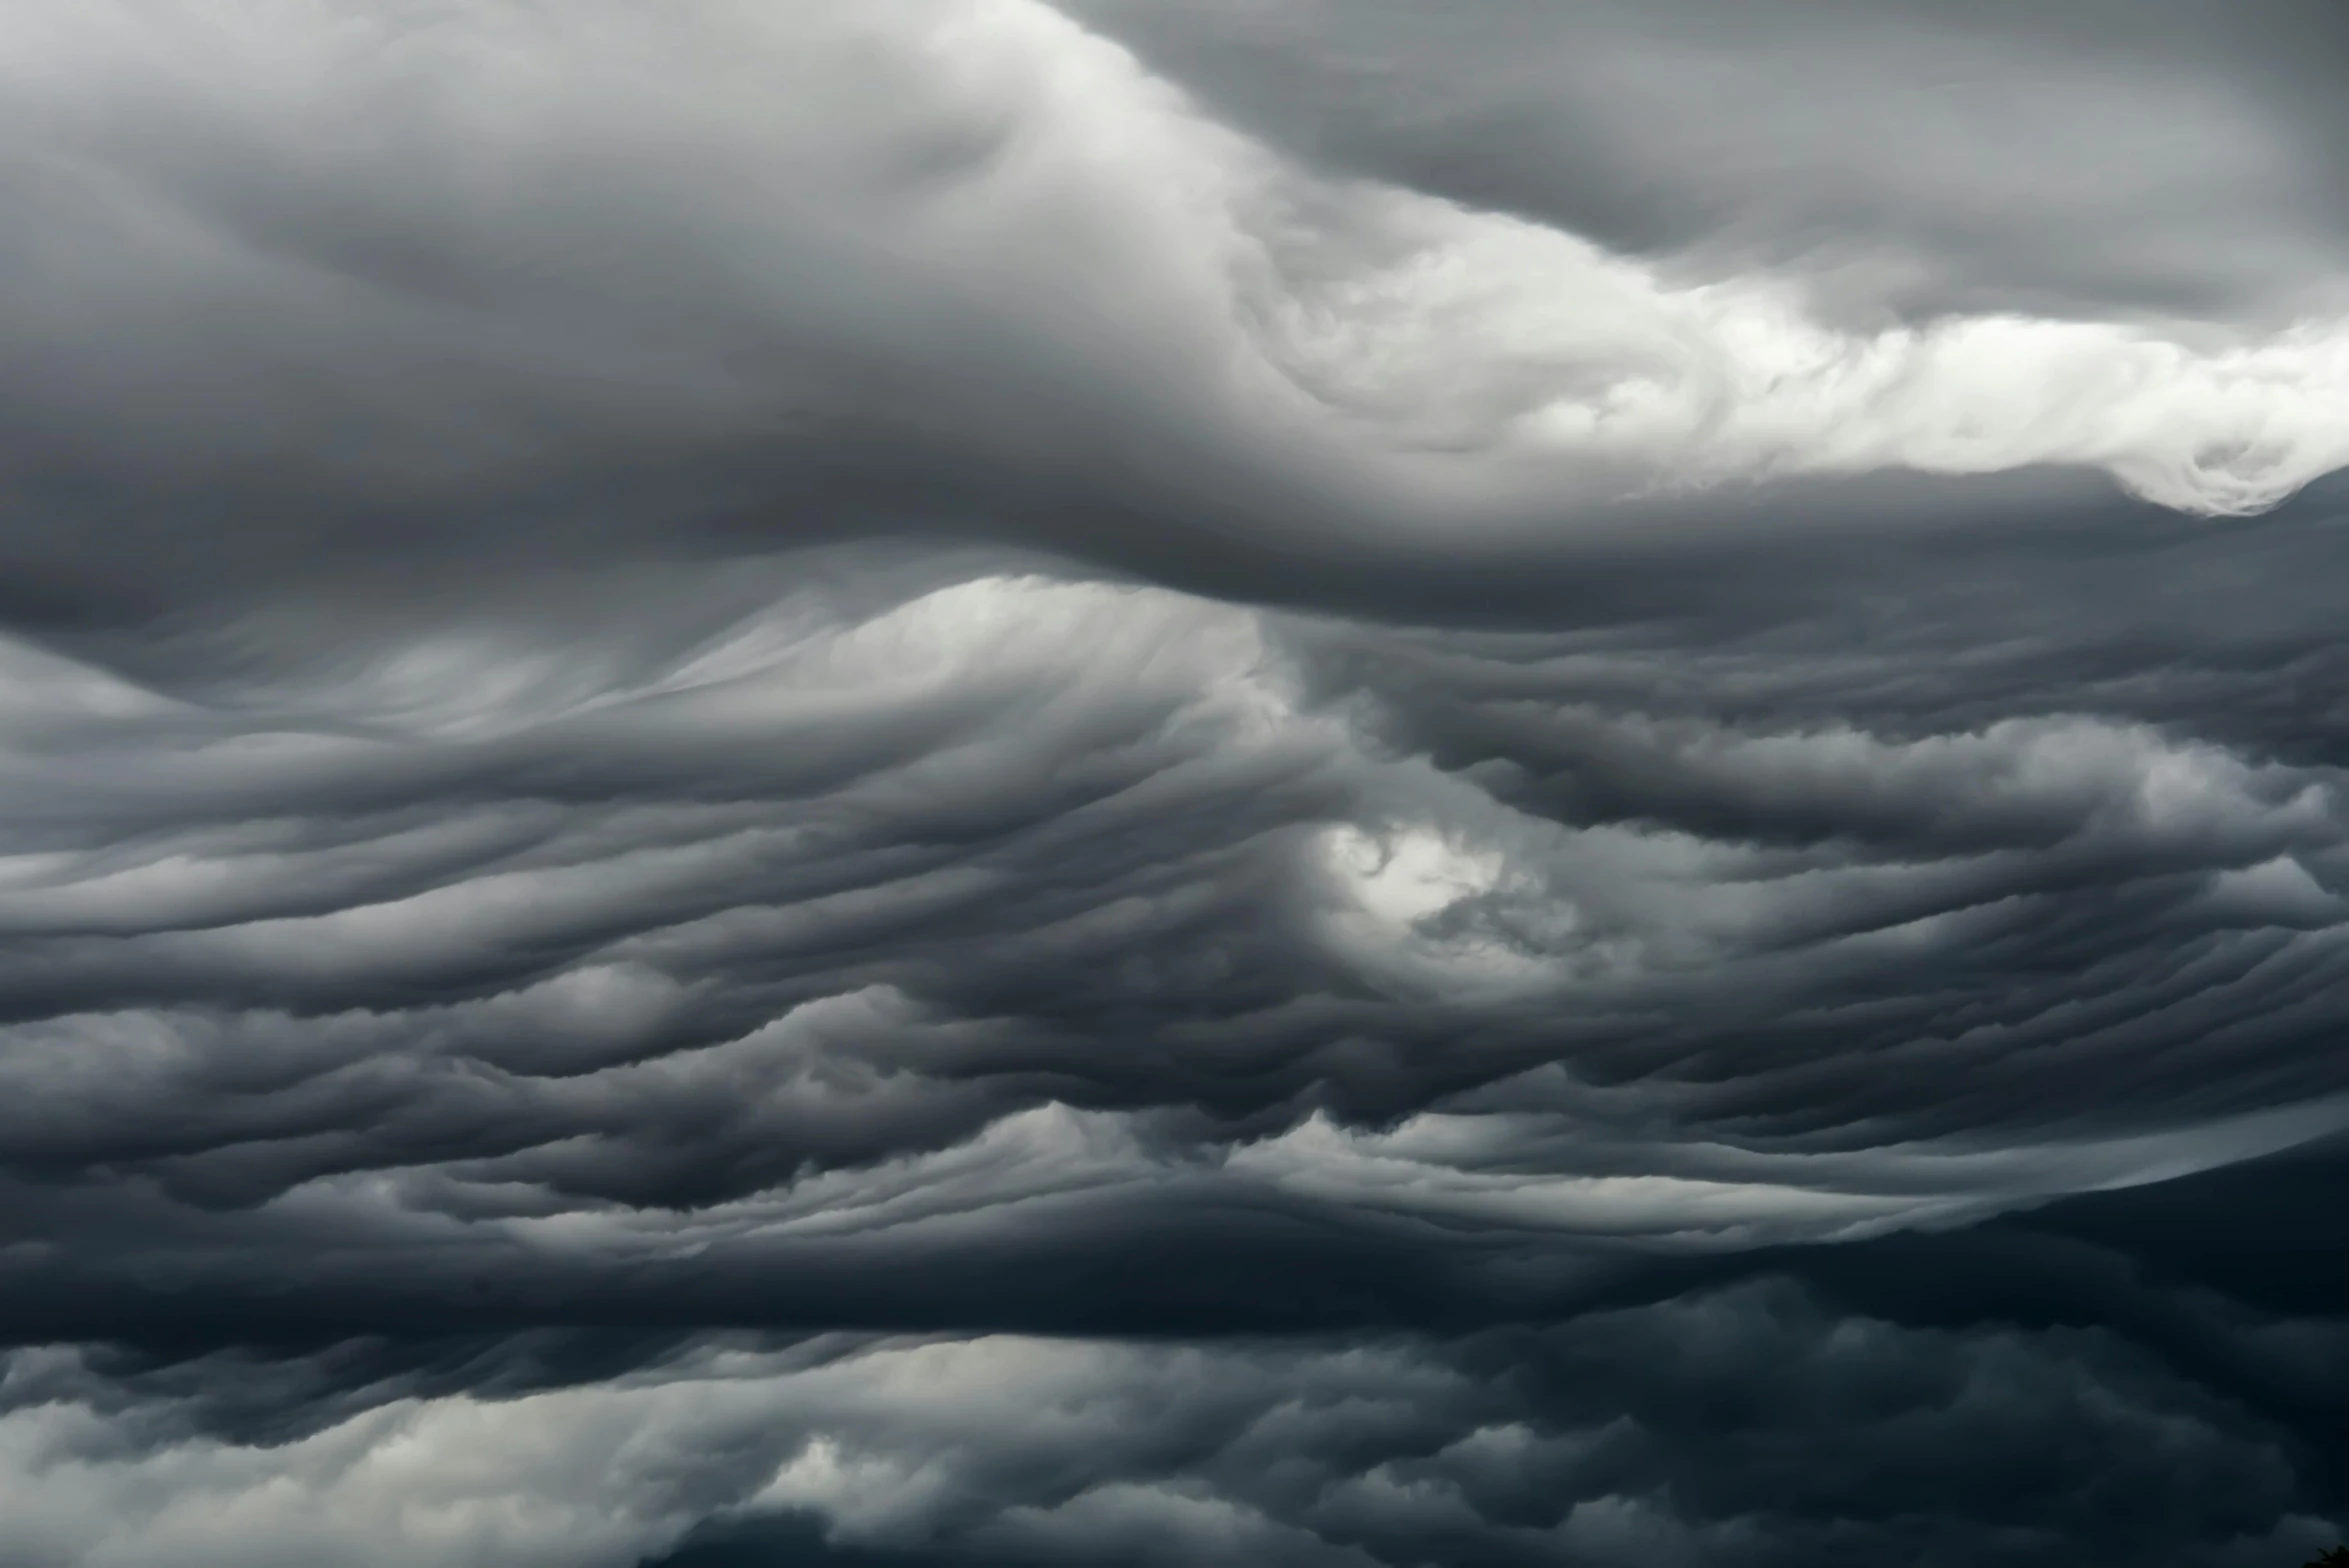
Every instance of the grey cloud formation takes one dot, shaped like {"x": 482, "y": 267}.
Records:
{"x": 991, "y": 783}
{"x": 300, "y": 284}
{"x": 2164, "y": 158}
{"x": 1741, "y": 1426}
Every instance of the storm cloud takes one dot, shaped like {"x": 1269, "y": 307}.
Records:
{"x": 963, "y": 781}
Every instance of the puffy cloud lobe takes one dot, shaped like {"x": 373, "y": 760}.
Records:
{"x": 1743, "y": 1426}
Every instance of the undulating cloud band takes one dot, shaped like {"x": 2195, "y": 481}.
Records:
{"x": 977, "y": 782}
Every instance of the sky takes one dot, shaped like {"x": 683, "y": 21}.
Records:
{"x": 1046, "y": 783}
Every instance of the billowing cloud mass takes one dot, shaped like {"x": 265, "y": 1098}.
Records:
{"x": 973, "y": 782}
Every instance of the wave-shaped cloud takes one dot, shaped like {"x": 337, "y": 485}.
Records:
{"x": 292, "y": 275}
{"x": 1027, "y": 896}
{"x": 1386, "y": 760}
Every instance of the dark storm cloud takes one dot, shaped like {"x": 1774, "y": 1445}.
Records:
{"x": 298, "y": 288}
{"x": 1416, "y": 769}
{"x": 2136, "y": 1375}
{"x": 2167, "y": 157}
{"x": 925, "y": 935}
{"x": 1746, "y": 1425}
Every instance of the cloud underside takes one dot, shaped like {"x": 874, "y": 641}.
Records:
{"x": 1741, "y": 1426}
{"x": 988, "y": 783}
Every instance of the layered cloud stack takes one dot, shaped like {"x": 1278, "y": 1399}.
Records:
{"x": 969, "y": 782}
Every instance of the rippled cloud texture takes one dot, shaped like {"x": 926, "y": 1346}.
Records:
{"x": 972, "y": 782}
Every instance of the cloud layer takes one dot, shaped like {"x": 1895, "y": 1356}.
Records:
{"x": 993, "y": 783}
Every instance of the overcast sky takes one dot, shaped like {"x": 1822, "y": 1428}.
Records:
{"x": 1341, "y": 783}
